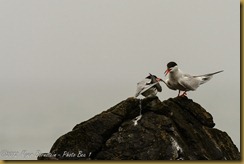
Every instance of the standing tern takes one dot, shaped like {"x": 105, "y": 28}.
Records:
{"x": 184, "y": 82}
{"x": 149, "y": 86}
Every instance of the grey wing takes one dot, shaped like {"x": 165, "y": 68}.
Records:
{"x": 141, "y": 86}
{"x": 204, "y": 78}
{"x": 167, "y": 83}
{"x": 148, "y": 87}
{"x": 189, "y": 82}
{"x": 209, "y": 74}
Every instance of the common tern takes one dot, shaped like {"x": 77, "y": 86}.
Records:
{"x": 149, "y": 86}
{"x": 184, "y": 82}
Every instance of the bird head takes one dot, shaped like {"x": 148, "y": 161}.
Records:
{"x": 154, "y": 77}
{"x": 171, "y": 66}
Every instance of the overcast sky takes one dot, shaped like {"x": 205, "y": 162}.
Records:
{"x": 62, "y": 62}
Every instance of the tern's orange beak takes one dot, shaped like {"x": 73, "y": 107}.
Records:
{"x": 166, "y": 72}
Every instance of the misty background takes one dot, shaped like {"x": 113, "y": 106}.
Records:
{"x": 62, "y": 62}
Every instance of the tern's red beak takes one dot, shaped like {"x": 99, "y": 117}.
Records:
{"x": 158, "y": 79}
{"x": 166, "y": 72}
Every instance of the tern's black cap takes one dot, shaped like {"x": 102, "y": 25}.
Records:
{"x": 149, "y": 77}
{"x": 171, "y": 64}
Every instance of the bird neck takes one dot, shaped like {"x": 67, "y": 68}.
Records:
{"x": 175, "y": 74}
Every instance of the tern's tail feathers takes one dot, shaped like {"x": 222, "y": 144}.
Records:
{"x": 204, "y": 79}
{"x": 207, "y": 77}
{"x": 211, "y": 74}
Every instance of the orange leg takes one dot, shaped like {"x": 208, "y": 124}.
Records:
{"x": 179, "y": 93}
{"x": 184, "y": 94}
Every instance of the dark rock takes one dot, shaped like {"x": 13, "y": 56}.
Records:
{"x": 175, "y": 129}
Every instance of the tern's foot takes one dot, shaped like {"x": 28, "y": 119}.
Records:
{"x": 184, "y": 94}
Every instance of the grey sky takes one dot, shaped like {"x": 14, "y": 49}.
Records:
{"x": 62, "y": 61}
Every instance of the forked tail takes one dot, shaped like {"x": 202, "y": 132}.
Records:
{"x": 207, "y": 77}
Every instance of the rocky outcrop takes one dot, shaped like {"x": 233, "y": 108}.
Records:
{"x": 175, "y": 129}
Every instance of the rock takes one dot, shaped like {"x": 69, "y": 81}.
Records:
{"x": 175, "y": 129}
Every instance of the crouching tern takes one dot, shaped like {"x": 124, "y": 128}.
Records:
{"x": 149, "y": 86}
{"x": 177, "y": 80}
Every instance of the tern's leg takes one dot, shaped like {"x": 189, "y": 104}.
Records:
{"x": 184, "y": 94}
{"x": 179, "y": 93}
